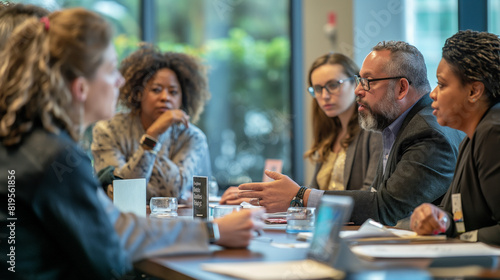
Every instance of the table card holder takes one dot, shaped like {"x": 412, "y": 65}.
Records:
{"x": 200, "y": 197}
{"x": 129, "y": 195}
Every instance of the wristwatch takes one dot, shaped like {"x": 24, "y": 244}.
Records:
{"x": 213, "y": 232}
{"x": 150, "y": 142}
{"x": 298, "y": 200}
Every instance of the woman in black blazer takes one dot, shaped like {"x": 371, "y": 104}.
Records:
{"x": 467, "y": 98}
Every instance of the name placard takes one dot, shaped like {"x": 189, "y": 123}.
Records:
{"x": 130, "y": 196}
{"x": 200, "y": 197}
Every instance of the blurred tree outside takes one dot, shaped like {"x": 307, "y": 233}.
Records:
{"x": 246, "y": 46}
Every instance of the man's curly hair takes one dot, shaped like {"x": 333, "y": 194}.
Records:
{"x": 140, "y": 66}
{"x": 475, "y": 56}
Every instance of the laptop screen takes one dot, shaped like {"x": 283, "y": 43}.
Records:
{"x": 332, "y": 213}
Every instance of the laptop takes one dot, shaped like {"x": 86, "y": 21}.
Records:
{"x": 322, "y": 256}
{"x": 332, "y": 213}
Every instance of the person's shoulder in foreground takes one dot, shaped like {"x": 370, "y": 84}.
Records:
{"x": 56, "y": 199}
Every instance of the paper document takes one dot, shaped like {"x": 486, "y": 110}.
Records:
{"x": 305, "y": 269}
{"x": 426, "y": 250}
{"x": 396, "y": 236}
{"x": 373, "y": 232}
{"x": 370, "y": 228}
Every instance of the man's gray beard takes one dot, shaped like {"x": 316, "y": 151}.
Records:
{"x": 382, "y": 115}
{"x": 367, "y": 121}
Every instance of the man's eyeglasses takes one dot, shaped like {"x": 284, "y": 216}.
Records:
{"x": 330, "y": 87}
{"x": 365, "y": 83}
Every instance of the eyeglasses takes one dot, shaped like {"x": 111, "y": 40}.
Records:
{"x": 365, "y": 83}
{"x": 330, "y": 87}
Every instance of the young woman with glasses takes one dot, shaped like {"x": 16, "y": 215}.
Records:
{"x": 340, "y": 147}
{"x": 345, "y": 155}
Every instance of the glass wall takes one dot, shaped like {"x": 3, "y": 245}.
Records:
{"x": 494, "y": 16}
{"x": 246, "y": 46}
{"x": 430, "y": 23}
{"x": 122, "y": 14}
{"x": 248, "y": 118}
{"x": 423, "y": 23}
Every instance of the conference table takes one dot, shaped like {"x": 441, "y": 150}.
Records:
{"x": 276, "y": 245}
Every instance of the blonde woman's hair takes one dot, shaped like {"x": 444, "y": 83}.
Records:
{"x": 13, "y": 15}
{"x": 40, "y": 60}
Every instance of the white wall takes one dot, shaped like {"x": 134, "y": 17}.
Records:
{"x": 316, "y": 43}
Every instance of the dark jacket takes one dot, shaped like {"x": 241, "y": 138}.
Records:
{"x": 477, "y": 179}
{"x": 61, "y": 231}
{"x": 419, "y": 169}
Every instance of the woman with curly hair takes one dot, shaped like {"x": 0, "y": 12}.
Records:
{"x": 467, "y": 98}
{"x": 155, "y": 140}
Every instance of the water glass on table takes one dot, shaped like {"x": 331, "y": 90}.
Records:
{"x": 163, "y": 207}
{"x": 223, "y": 210}
{"x": 300, "y": 219}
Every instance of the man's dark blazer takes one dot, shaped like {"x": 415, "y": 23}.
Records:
{"x": 419, "y": 169}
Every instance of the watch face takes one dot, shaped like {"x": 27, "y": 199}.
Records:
{"x": 296, "y": 203}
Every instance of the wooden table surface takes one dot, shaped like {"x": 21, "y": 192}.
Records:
{"x": 261, "y": 250}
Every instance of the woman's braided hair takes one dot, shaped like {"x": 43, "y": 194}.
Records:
{"x": 475, "y": 56}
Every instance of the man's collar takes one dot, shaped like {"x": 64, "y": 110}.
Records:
{"x": 395, "y": 126}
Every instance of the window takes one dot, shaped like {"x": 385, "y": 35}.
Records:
{"x": 423, "y": 23}
{"x": 246, "y": 45}
{"x": 248, "y": 118}
{"x": 493, "y": 19}
{"x": 123, "y": 16}
{"x": 431, "y": 23}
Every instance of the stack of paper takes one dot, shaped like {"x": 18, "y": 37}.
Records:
{"x": 372, "y": 231}
{"x": 438, "y": 250}
{"x": 304, "y": 269}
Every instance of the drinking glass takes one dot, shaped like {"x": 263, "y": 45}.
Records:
{"x": 300, "y": 219}
{"x": 223, "y": 210}
{"x": 163, "y": 207}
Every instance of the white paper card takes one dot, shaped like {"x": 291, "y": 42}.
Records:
{"x": 305, "y": 269}
{"x": 371, "y": 228}
{"x": 426, "y": 250}
{"x": 130, "y": 196}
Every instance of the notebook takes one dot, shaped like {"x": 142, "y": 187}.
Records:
{"x": 322, "y": 257}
